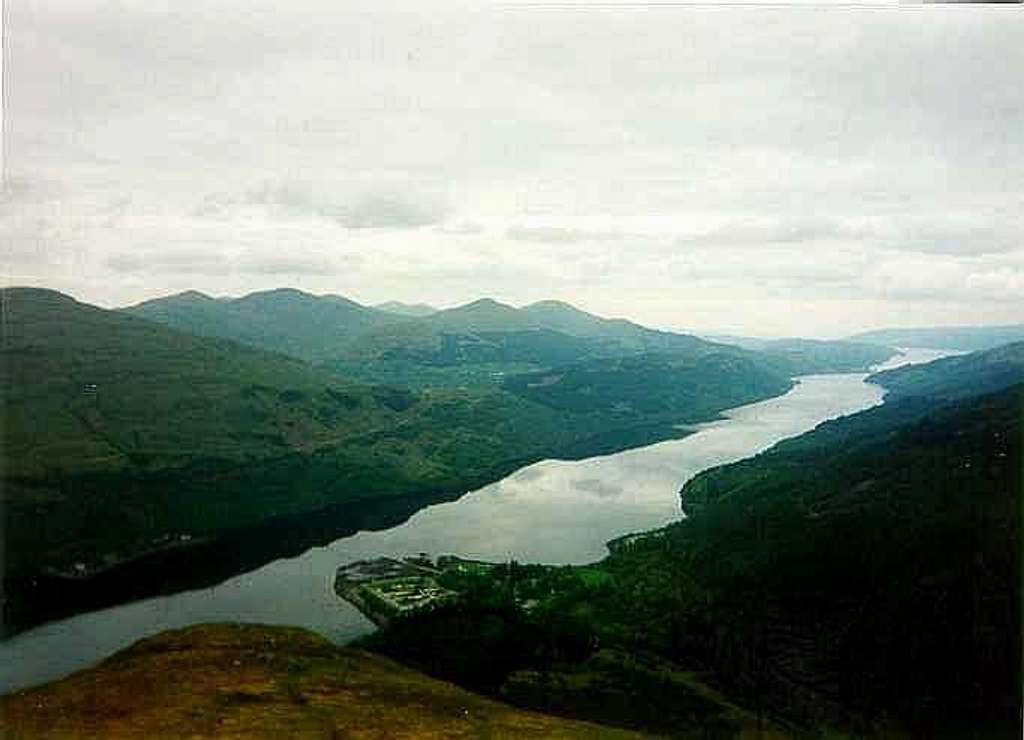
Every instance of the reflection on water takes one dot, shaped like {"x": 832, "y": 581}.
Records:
{"x": 552, "y": 511}
{"x": 597, "y": 487}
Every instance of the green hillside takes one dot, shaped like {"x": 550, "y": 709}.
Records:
{"x": 308, "y": 327}
{"x": 871, "y": 569}
{"x": 479, "y": 345}
{"x": 126, "y": 440}
{"x": 264, "y": 682}
{"x": 690, "y": 388}
{"x": 86, "y": 389}
{"x": 123, "y": 438}
{"x": 968, "y": 338}
{"x": 862, "y": 578}
{"x": 485, "y": 342}
{"x": 807, "y": 356}
{"x": 953, "y": 377}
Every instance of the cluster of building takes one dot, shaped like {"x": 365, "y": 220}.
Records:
{"x": 411, "y": 594}
{"x": 385, "y": 587}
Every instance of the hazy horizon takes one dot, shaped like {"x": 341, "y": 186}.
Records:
{"x": 776, "y": 171}
{"x": 713, "y": 334}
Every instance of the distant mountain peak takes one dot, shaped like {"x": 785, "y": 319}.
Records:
{"x": 294, "y": 295}
{"x": 415, "y": 310}
{"x": 480, "y": 306}
{"x": 486, "y": 303}
{"x": 277, "y": 293}
{"x": 32, "y": 292}
{"x": 194, "y": 295}
{"x": 551, "y": 304}
{"x": 175, "y": 299}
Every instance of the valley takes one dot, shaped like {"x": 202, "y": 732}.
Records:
{"x": 863, "y": 578}
{"x": 551, "y": 511}
{"x": 591, "y": 593}
{"x": 530, "y": 369}
{"x": 123, "y": 436}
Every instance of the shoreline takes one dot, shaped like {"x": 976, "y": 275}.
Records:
{"x": 51, "y": 593}
{"x": 297, "y": 538}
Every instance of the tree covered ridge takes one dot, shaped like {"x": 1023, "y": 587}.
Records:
{"x": 959, "y": 376}
{"x": 864, "y": 577}
{"x": 871, "y": 566}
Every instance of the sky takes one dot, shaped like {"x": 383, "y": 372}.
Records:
{"x": 787, "y": 170}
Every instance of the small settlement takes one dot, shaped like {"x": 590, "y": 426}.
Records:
{"x": 386, "y": 588}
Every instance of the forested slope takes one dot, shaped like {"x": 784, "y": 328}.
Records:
{"x": 864, "y": 577}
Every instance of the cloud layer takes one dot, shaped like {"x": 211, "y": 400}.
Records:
{"x": 739, "y": 169}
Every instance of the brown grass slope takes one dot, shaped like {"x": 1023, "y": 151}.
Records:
{"x": 255, "y": 681}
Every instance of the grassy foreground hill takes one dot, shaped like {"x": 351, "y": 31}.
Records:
{"x": 264, "y": 682}
{"x": 864, "y": 577}
{"x": 125, "y": 440}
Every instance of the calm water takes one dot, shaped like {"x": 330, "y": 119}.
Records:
{"x": 552, "y": 512}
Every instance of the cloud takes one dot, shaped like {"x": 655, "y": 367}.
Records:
{"x": 945, "y": 278}
{"x": 373, "y": 209}
{"x": 290, "y": 265}
{"x": 631, "y": 162}
{"x": 775, "y": 231}
{"x": 388, "y": 211}
{"x": 978, "y": 233}
{"x": 956, "y": 237}
{"x": 184, "y": 261}
{"x": 214, "y": 261}
{"x": 462, "y": 228}
{"x": 560, "y": 235}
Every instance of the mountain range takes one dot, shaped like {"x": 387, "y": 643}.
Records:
{"x": 863, "y": 577}
{"x": 330, "y": 327}
{"x": 126, "y": 439}
{"x": 478, "y": 344}
{"x": 966, "y": 338}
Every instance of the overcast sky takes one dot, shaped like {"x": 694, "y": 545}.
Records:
{"x": 790, "y": 170}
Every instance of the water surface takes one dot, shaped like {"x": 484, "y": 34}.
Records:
{"x": 553, "y": 512}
